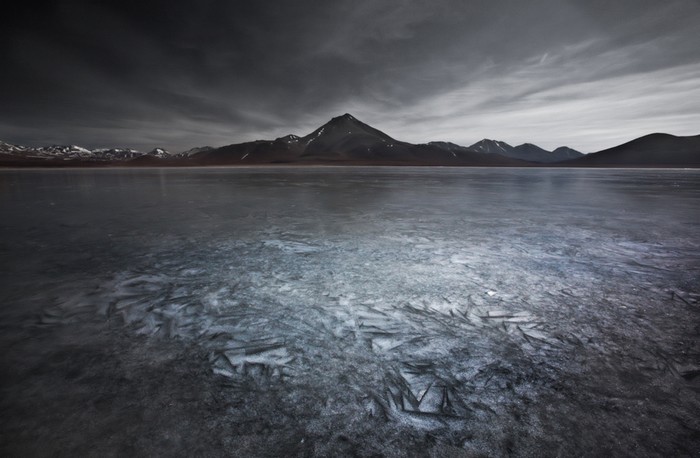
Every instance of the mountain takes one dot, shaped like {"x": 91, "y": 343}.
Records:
{"x": 255, "y": 152}
{"x": 451, "y": 147}
{"x": 159, "y": 153}
{"x": 532, "y": 152}
{"x": 492, "y": 147}
{"x": 193, "y": 151}
{"x": 71, "y": 154}
{"x": 654, "y": 150}
{"x": 10, "y": 149}
{"x": 564, "y": 153}
{"x": 115, "y": 154}
{"x": 525, "y": 152}
{"x": 45, "y": 152}
{"x": 344, "y": 140}
{"x": 346, "y": 136}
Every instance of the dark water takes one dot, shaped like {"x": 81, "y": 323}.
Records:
{"x": 353, "y": 311}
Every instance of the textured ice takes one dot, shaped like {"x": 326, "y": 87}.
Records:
{"x": 493, "y": 311}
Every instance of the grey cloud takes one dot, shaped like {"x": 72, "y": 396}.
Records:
{"x": 180, "y": 74}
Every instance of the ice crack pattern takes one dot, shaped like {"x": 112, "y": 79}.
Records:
{"x": 440, "y": 332}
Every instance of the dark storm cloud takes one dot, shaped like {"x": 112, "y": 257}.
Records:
{"x": 180, "y": 74}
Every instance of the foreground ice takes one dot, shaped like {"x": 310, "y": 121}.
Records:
{"x": 521, "y": 312}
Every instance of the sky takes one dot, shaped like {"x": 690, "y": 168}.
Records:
{"x": 589, "y": 74}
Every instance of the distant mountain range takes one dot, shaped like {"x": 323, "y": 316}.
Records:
{"x": 73, "y": 153}
{"x": 345, "y": 140}
{"x": 524, "y": 152}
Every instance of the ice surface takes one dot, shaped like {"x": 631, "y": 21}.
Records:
{"x": 427, "y": 310}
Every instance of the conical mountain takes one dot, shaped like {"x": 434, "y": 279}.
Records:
{"x": 343, "y": 135}
{"x": 492, "y": 147}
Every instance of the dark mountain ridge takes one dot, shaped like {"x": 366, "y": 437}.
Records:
{"x": 653, "y": 150}
{"x": 345, "y": 140}
{"x": 525, "y": 152}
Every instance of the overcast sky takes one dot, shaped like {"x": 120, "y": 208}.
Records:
{"x": 589, "y": 74}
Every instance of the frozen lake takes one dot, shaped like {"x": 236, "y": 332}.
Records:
{"x": 350, "y": 311}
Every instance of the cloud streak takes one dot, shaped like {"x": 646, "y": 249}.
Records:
{"x": 554, "y": 105}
